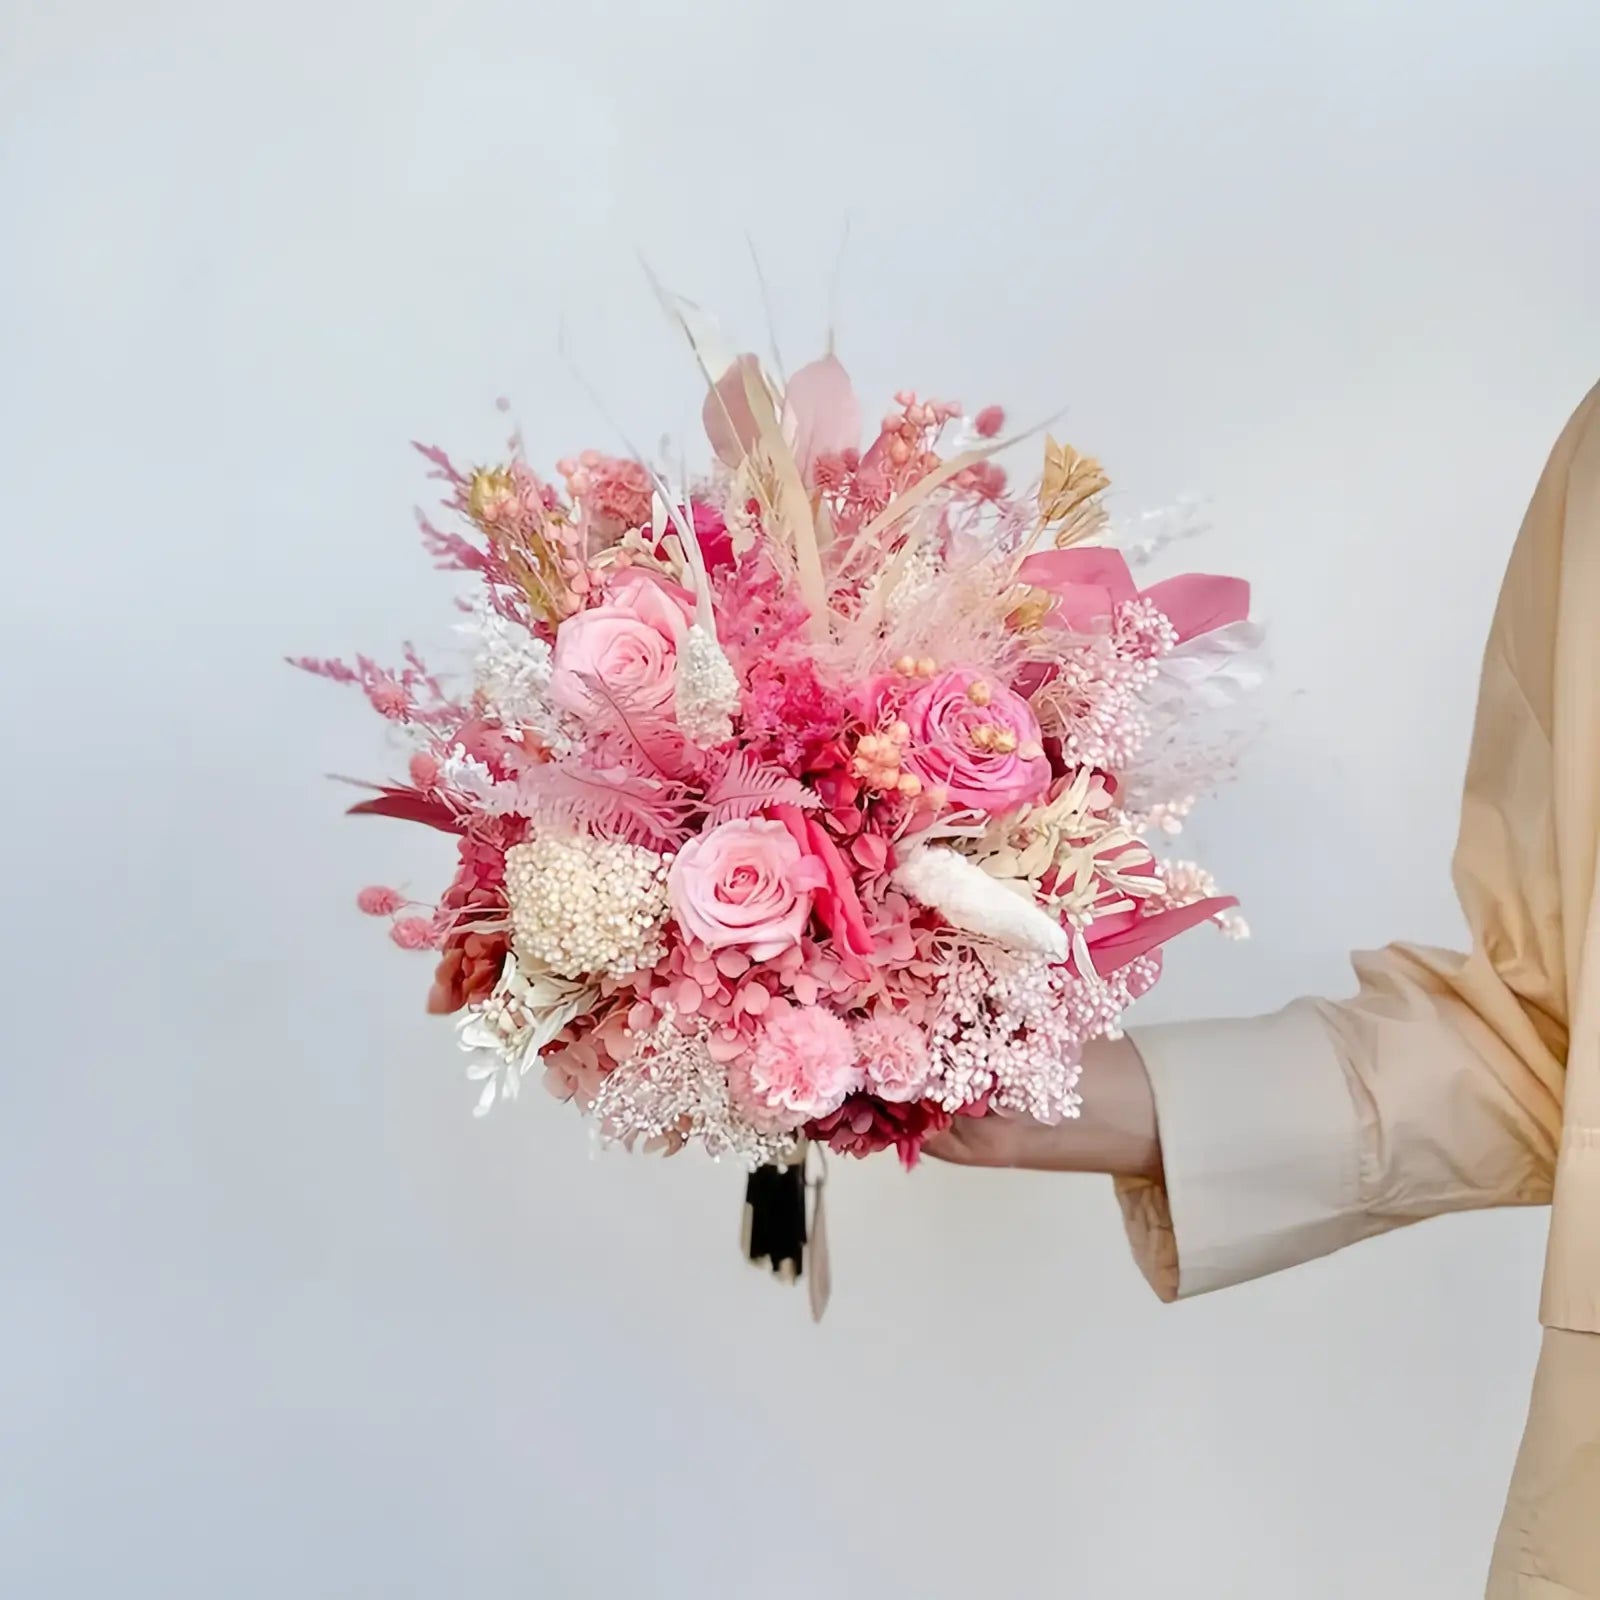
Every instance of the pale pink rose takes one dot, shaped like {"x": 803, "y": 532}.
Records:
{"x": 801, "y": 1065}
{"x": 746, "y": 884}
{"x": 976, "y": 740}
{"x": 629, "y": 642}
{"x": 894, "y": 1056}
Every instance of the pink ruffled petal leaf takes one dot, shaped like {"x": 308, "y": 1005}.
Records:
{"x": 1149, "y": 932}
{"x": 821, "y": 408}
{"x": 730, "y": 424}
{"x": 1198, "y": 602}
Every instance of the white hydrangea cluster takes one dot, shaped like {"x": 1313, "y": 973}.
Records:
{"x": 583, "y": 907}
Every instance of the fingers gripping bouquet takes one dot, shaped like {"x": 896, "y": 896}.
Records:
{"x": 807, "y": 802}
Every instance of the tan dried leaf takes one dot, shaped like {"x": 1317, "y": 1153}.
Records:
{"x": 1069, "y": 483}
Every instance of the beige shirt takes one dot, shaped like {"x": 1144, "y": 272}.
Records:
{"x": 1450, "y": 1082}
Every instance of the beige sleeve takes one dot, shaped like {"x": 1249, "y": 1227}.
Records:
{"x": 1440, "y": 1086}
{"x": 1287, "y": 1137}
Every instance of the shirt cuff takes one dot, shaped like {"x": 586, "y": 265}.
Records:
{"x": 1261, "y": 1152}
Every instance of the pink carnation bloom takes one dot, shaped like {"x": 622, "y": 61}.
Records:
{"x": 801, "y": 1065}
{"x": 894, "y": 1056}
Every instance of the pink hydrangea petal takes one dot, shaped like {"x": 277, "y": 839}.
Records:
{"x": 725, "y": 1045}
{"x": 871, "y": 851}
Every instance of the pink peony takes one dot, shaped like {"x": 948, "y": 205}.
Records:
{"x": 976, "y": 740}
{"x": 629, "y": 642}
{"x": 801, "y": 1065}
{"x": 746, "y": 884}
{"x": 894, "y": 1056}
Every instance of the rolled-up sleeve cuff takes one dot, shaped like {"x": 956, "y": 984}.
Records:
{"x": 1261, "y": 1150}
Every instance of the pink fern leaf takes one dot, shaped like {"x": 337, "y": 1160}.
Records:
{"x": 611, "y": 802}
{"x": 446, "y": 467}
{"x": 334, "y": 670}
{"x": 450, "y": 551}
{"x": 747, "y": 785}
{"x": 639, "y": 738}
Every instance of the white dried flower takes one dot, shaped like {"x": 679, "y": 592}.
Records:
{"x": 671, "y": 1088}
{"x": 968, "y": 898}
{"x": 582, "y": 906}
{"x": 705, "y": 689}
{"x": 511, "y": 671}
{"x": 506, "y": 1032}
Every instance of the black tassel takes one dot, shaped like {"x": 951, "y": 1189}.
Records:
{"x": 775, "y": 1219}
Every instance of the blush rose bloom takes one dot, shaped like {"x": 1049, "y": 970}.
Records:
{"x": 629, "y": 642}
{"x": 976, "y": 740}
{"x": 744, "y": 885}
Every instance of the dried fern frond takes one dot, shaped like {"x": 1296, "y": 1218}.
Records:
{"x": 1067, "y": 492}
{"x": 747, "y": 785}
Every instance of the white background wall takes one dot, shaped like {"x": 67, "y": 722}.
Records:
{"x": 278, "y": 1318}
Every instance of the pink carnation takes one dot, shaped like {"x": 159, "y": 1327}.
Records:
{"x": 801, "y": 1065}
{"x": 894, "y": 1056}
{"x": 378, "y": 901}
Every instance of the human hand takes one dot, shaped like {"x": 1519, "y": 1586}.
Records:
{"x": 1116, "y": 1131}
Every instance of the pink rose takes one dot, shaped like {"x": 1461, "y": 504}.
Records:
{"x": 801, "y": 1065}
{"x": 629, "y": 642}
{"x": 976, "y": 740}
{"x": 746, "y": 884}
